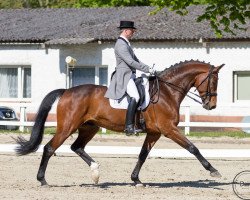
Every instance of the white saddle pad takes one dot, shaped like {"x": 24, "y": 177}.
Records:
{"x": 124, "y": 103}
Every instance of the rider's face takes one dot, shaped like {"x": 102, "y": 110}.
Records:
{"x": 129, "y": 32}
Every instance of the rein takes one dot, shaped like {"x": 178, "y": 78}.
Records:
{"x": 178, "y": 88}
{"x": 156, "y": 89}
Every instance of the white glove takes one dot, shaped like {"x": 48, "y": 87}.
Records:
{"x": 151, "y": 70}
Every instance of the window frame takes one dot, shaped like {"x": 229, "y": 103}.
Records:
{"x": 97, "y": 73}
{"x": 20, "y": 83}
{"x": 235, "y": 86}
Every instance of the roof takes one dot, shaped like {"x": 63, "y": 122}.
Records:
{"x": 79, "y": 26}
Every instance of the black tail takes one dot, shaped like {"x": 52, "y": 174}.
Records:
{"x": 26, "y": 147}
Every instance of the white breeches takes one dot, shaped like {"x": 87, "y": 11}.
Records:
{"x": 132, "y": 90}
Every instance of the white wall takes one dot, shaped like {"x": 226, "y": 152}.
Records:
{"x": 86, "y": 55}
{"x": 48, "y": 65}
{"x": 44, "y": 65}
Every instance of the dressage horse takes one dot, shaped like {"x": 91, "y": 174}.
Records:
{"x": 84, "y": 108}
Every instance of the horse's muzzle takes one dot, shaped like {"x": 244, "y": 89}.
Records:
{"x": 209, "y": 103}
{"x": 208, "y": 106}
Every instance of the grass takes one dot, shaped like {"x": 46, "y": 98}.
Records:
{"x": 235, "y": 134}
{"x": 213, "y": 134}
{"x": 28, "y": 131}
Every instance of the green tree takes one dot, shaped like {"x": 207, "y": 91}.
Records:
{"x": 38, "y": 3}
{"x": 10, "y": 4}
{"x": 113, "y": 3}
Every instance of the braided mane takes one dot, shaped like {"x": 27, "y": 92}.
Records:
{"x": 176, "y": 66}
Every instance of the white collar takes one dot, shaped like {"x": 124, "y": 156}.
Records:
{"x": 125, "y": 39}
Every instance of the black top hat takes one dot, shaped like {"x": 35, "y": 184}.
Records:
{"x": 126, "y": 24}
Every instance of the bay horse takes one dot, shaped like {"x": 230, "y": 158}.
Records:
{"x": 84, "y": 108}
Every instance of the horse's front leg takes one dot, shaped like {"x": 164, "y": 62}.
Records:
{"x": 180, "y": 139}
{"x": 148, "y": 144}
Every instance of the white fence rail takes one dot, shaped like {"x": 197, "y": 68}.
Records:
{"x": 22, "y": 123}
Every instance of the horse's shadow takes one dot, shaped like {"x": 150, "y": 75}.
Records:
{"x": 191, "y": 184}
{"x": 184, "y": 184}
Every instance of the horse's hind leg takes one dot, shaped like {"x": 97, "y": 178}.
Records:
{"x": 48, "y": 151}
{"x": 86, "y": 133}
{"x": 148, "y": 144}
{"x": 180, "y": 139}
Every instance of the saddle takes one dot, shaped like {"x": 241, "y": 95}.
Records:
{"x": 139, "y": 85}
{"x": 142, "y": 85}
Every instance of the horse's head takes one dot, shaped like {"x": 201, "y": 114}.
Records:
{"x": 206, "y": 84}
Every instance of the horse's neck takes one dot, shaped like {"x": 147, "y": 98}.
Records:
{"x": 181, "y": 79}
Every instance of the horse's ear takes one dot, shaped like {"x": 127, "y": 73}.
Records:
{"x": 217, "y": 69}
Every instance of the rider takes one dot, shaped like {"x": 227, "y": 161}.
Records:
{"x": 122, "y": 80}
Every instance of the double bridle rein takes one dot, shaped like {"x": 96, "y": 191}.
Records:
{"x": 208, "y": 94}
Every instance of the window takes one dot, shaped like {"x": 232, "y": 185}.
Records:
{"x": 241, "y": 86}
{"x": 103, "y": 76}
{"x": 89, "y": 75}
{"x": 15, "y": 82}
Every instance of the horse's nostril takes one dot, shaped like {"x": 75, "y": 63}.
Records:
{"x": 212, "y": 107}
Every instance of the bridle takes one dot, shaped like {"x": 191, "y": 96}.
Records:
{"x": 155, "y": 89}
{"x": 208, "y": 94}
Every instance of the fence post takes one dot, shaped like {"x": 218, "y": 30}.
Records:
{"x": 187, "y": 120}
{"x": 104, "y": 130}
{"x": 22, "y": 117}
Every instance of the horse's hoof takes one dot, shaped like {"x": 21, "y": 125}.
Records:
{"x": 139, "y": 185}
{"x": 215, "y": 174}
{"x": 43, "y": 183}
{"x": 95, "y": 174}
{"x": 45, "y": 186}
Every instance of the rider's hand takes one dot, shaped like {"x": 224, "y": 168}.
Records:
{"x": 151, "y": 70}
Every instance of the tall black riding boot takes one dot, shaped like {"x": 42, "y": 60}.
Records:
{"x": 130, "y": 117}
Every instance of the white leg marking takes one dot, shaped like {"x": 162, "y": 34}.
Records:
{"x": 95, "y": 174}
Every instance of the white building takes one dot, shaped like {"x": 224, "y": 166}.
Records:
{"x": 35, "y": 43}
